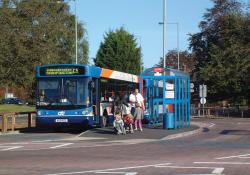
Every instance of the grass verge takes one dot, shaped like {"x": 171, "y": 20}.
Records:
{"x": 16, "y": 108}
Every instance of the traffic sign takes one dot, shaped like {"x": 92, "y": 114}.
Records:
{"x": 191, "y": 85}
{"x": 203, "y": 101}
{"x": 203, "y": 90}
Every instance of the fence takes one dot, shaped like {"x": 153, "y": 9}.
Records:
{"x": 13, "y": 116}
{"x": 243, "y": 111}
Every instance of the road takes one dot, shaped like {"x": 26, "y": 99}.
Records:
{"x": 221, "y": 148}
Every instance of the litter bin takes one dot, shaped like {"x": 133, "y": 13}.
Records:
{"x": 165, "y": 121}
{"x": 170, "y": 120}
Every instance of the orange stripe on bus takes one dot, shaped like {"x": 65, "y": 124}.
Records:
{"x": 106, "y": 73}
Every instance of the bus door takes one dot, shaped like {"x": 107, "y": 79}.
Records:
{"x": 94, "y": 93}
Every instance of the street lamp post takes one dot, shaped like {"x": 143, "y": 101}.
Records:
{"x": 139, "y": 37}
{"x": 76, "y": 31}
{"x": 163, "y": 32}
{"x": 178, "y": 45}
{"x": 163, "y": 23}
{"x": 177, "y": 39}
{"x": 75, "y": 28}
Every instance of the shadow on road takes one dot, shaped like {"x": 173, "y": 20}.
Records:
{"x": 52, "y": 130}
{"x": 235, "y": 132}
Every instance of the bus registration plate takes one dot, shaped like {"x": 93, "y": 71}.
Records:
{"x": 61, "y": 120}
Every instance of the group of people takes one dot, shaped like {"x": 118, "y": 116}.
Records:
{"x": 128, "y": 116}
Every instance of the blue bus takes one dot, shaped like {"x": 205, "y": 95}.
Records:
{"x": 74, "y": 94}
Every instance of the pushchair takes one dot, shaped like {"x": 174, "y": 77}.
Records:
{"x": 128, "y": 118}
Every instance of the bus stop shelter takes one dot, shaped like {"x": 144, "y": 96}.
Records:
{"x": 167, "y": 97}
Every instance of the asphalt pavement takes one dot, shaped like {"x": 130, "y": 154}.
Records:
{"x": 219, "y": 146}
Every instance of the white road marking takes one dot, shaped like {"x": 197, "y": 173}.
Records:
{"x": 183, "y": 167}
{"x": 11, "y": 148}
{"x": 14, "y": 143}
{"x": 84, "y": 146}
{"x": 84, "y": 132}
{"x": 244, "y": 157}
{"x": 216, "y": 170}
{"x": 212, "y": 124}
{"x": 224, "y": 163}
{"x": 112, "y": 169}
{"x": 229, "y": 157}
{"x": 124, "y": 173}
{"x": 200, "y": 174}
{"x": 42, "y": 141}
{"x": 61, "y": 145}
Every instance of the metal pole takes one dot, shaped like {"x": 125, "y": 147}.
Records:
{"x": 164, "y": 26}
{"x": 203, "y": 99}
{"x": 177, "y": 41}
{"x": 178, "y": 46}
{"x": 140, "y": 55}
{"x": 139, "y": 37}
{"x": 76, "y": 31}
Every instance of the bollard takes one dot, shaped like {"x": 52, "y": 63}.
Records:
{"x": 29, "y": 120}
{"x": 13, "y": 125}
{"x": 3, "y": 124}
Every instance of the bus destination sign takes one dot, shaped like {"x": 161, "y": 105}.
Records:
{"x": 55, "y": 71}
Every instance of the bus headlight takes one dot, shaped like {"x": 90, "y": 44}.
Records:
{"x": 39, "y": 113}
{"x": 84, "y": 112}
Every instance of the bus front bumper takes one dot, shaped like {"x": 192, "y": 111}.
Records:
{"x": 64, "y": 120}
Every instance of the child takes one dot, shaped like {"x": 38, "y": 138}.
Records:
{"x": 128, "y": 117}
{"x": 119, "y": 124}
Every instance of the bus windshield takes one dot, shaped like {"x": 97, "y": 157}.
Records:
{"x": 60, "y": 93}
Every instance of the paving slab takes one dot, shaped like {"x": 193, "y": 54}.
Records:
{"x": 147, "y": 133}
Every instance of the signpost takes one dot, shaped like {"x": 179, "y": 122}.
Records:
{"x": 203, "y": 101}
{"x": 203, "y": 94}
{"x": 191, "y": 87}
{"x": 203, "y": 91}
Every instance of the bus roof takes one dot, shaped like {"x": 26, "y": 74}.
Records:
{"x": 112, "y": 74}
{"x": 68, "y": 70}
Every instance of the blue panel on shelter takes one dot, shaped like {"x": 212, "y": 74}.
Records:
{"x": 169, "y": 86}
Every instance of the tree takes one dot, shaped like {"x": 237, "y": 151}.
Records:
{"x": 119, "y": 52}
{"x": 35, "y": 33}
{"x": 186, "y": 61}
{"x": 223, "y": 51}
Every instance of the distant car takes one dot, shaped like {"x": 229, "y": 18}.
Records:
{"x": 13, "y": 101}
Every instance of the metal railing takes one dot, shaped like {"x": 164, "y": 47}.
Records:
{"x": 242, "y": 112}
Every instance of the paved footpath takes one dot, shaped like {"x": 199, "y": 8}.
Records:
{"x": 221, "y": 146}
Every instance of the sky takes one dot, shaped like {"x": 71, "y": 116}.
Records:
{"x": 141, "y": 18}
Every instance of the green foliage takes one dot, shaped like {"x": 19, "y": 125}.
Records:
{"x": 186, "y": 61}
{"x": 223, "y": 51}
{"x": 16, "y": 108}
{"x": 34, "y": 33}
{"x": 119, "y": 52}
